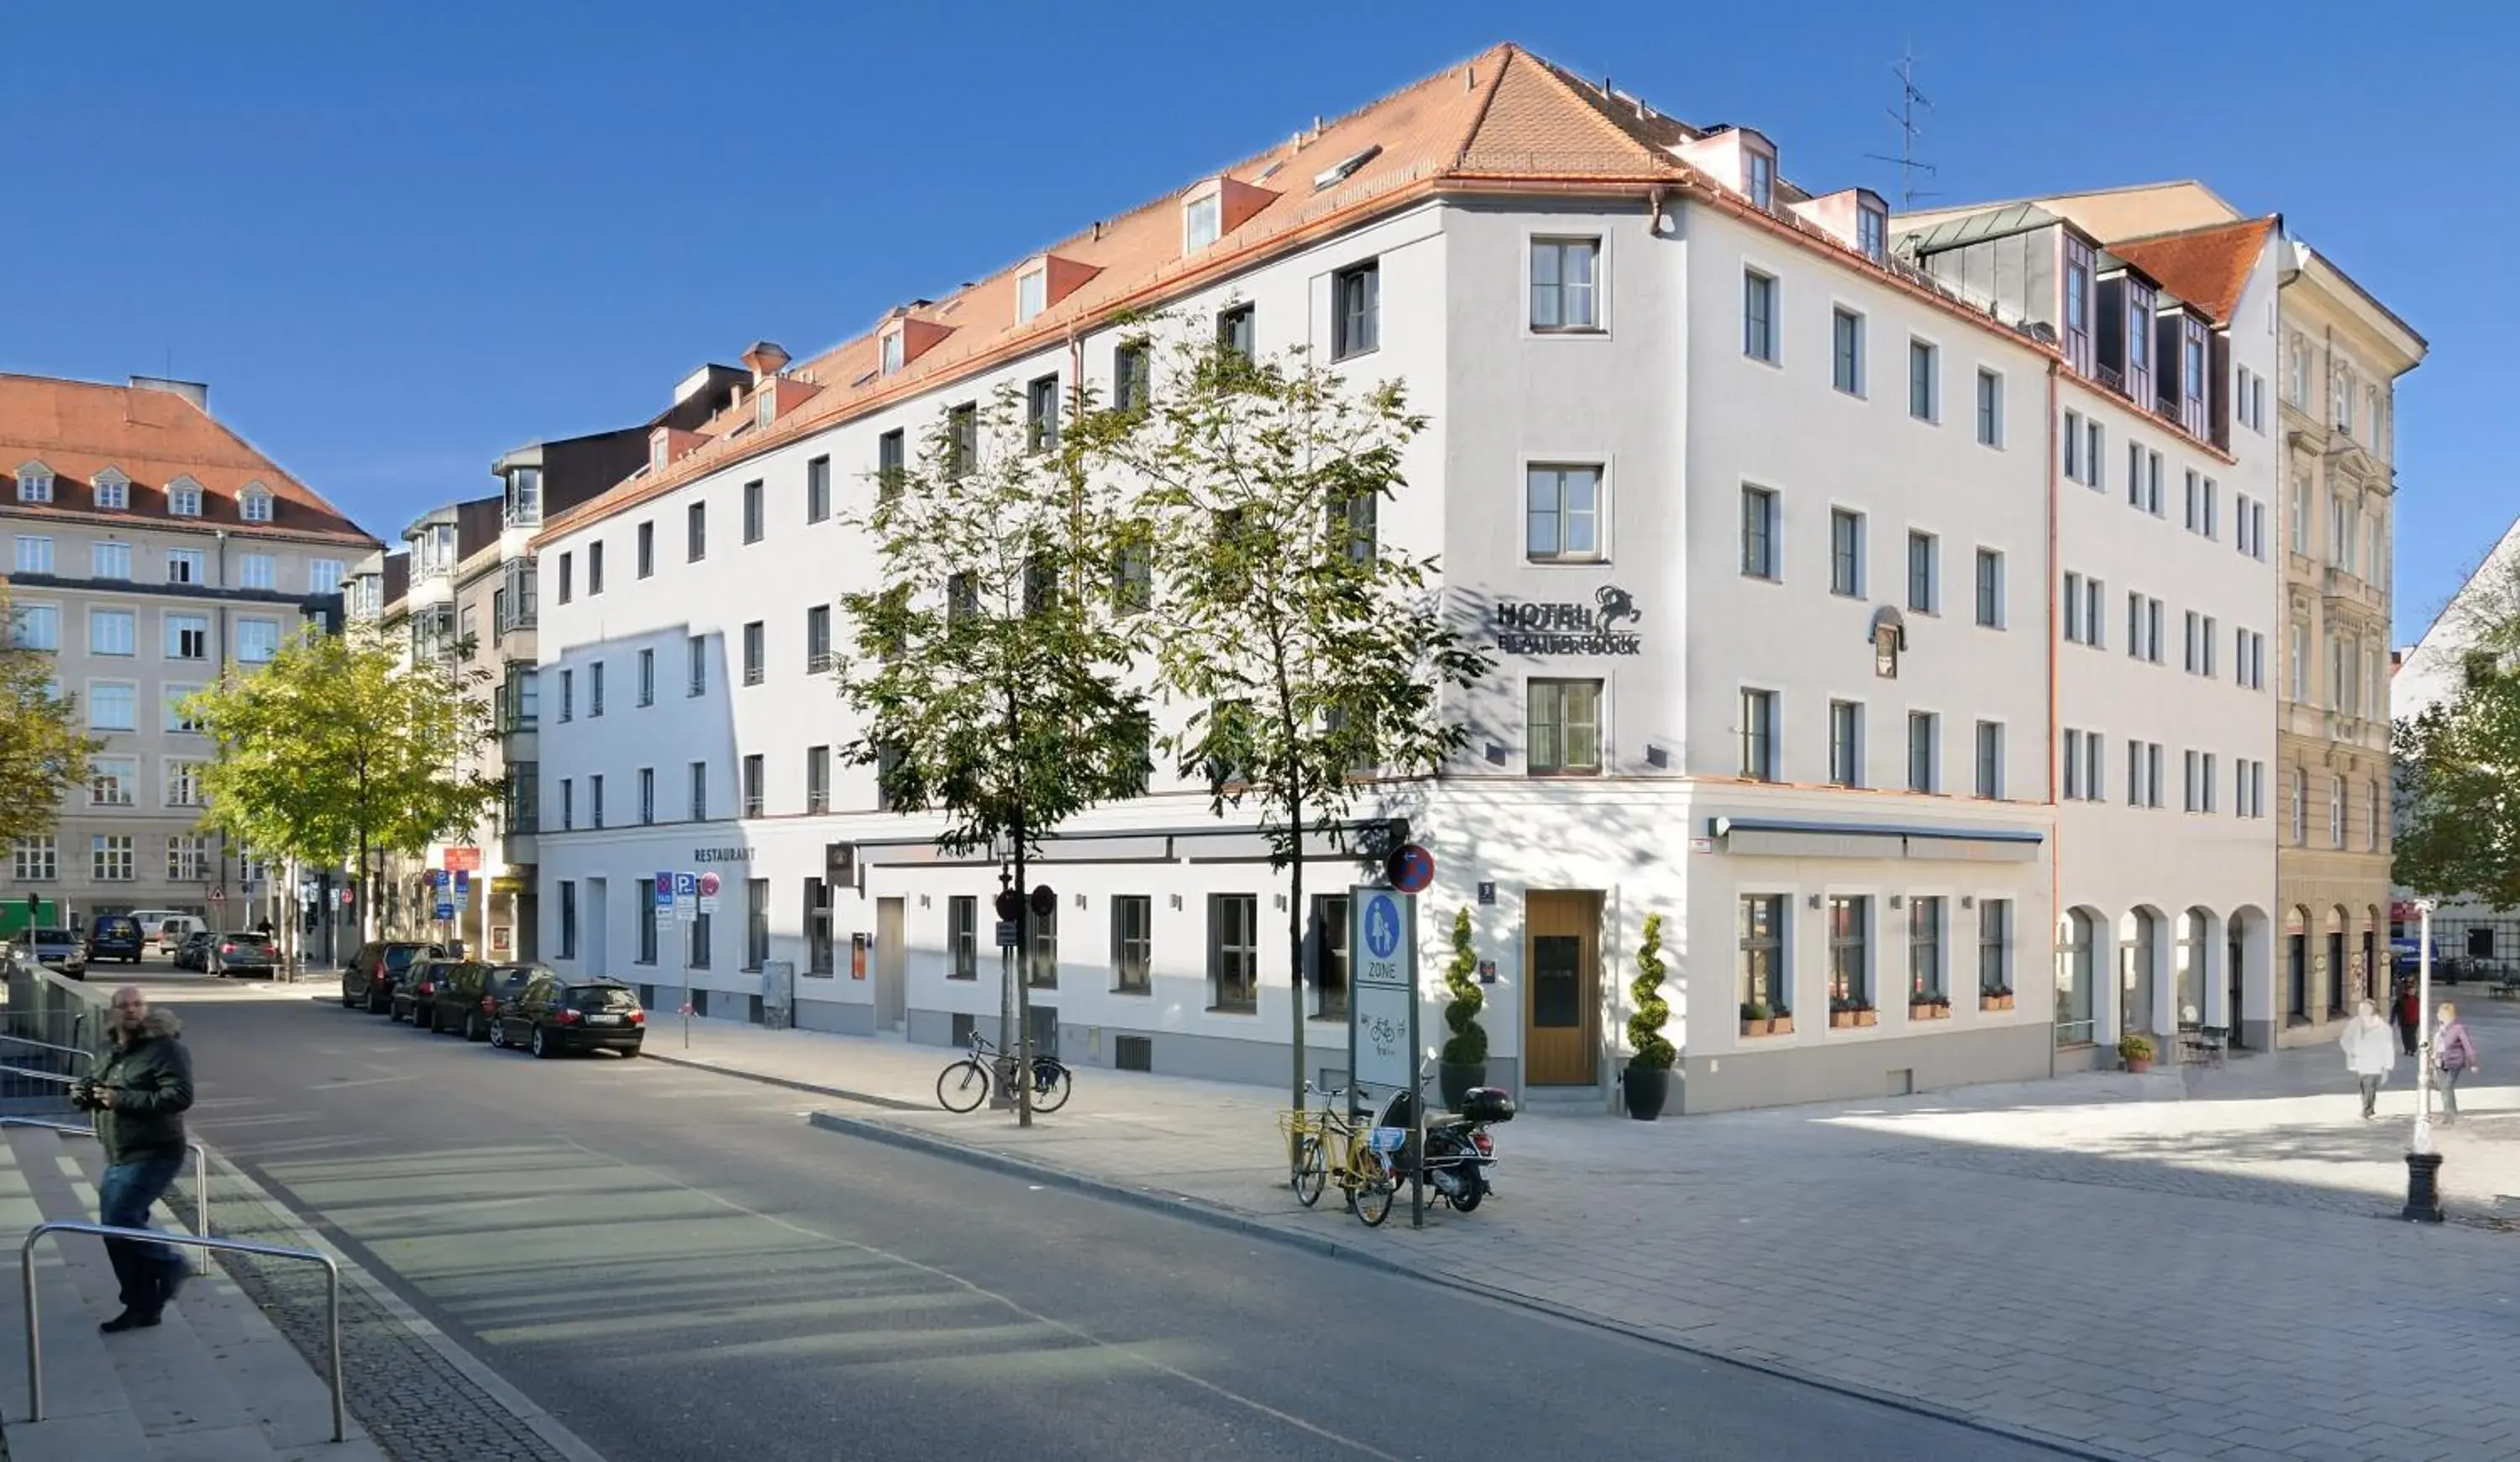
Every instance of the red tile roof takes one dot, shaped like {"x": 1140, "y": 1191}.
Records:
{"x": 80, "y": 427}
{"x": 2207, "y": 267}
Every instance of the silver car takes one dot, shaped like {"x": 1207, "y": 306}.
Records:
{"x": 58, "y": 949}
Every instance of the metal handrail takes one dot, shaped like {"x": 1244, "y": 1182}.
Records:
{"x": 200, "y": 1154}
{"x": 35, "y": 1321}
{"x": 81, "y": 1052}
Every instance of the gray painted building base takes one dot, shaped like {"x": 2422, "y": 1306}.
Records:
{"x": 1835, "y": 1071}
{"x": 1205, "y": 1058}
{"x": 2257, "y": 1035}
{"x": 834, "y": 1017}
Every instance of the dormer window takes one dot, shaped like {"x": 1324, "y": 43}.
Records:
{"x": 184, "y": 498}
{"x": 1032, "y": 293}
{"x": 34, "y": 483}
{"x": 113, "y": 490}
{"x": 525, "y": 497}
{"x": 1873, "y": 232}
{"x": 1759, "y": 175}
{"x": 656, "y": 449}
{"x": 765, "y": 406}
{"x": 892, "y": 351}
{"x": 253, "y": 504}
{"x": 1201, "y": 221}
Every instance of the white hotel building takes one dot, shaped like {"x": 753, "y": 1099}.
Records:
{"x": 1858, "y": 748}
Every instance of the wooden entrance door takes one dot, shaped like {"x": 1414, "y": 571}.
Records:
{"x": 1561, "y": 1002}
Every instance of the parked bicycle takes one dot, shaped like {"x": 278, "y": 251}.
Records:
{"x": 1330, "y": 1143}
{"x": 965, "y": 1084}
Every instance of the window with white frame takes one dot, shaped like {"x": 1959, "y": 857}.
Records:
{"x": 1924, "y": 947}
{"x": 187, "y": 566}
{"x": 1759, "y": 175}
{"x": 1872, "y": 230}
{"x": 2071, "y": 440}
{"x": 188, "y": 858}
{"x": 1234, "y": 951}
{"x": 1924, "y": 572}
{"x": 34, "y": 554}
{"x": 890, "y": 353}
{"x": 1563, "y": 514}
{"x": 1846, "y": 552}
{"x": 174, "y": 716}
{"x": 35, "y": 626}
{"x": 1759, "y": 735}
{"x": 1924, "y": 381}
{"x": 109, "y": 560}
{"x": 112, "y": 781}
{"x": 34, "y": 483}
{"x": 2336, "y": 812}
{"x": 256, "y": 571}
{"x": 35, "y": 860}
{"x": 113, "y": 706}
{"x": 1990, "y": 409}
{"x": 323, "y": 575}
{"x": 110, "y": 857}
{"x": 113, "y": 491}
{"x": 1846, "y": 742}
{"x": 1989, "y": 761}
{"x": 1356, "y": 310}
{"x": 1990, "y": 589}
{"x": 2300, "y": 806}
{"x": 1924, "y": 751}
{"x": 1563, "y": 727}
{"x": 1759, "y": 316}
{"x": 258, "y": 640}
{"x": 1201, "y": 221}
{"x": 1032, "y": 293}
{"x": 1759, "y": 525}
{"x": 1846, "y": 351}
{"x": 112, "y": 631}
{"x": 182, "y": 777}
{"x": 1565, "y": 275}
{"x": 188, "y": 636}
{"x": 253, "y": 504}
{"x": 1850, "y": 950}
{"x": 184, "y": 498}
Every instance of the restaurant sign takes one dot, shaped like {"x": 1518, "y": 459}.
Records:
{"x": 1595, "y": 628}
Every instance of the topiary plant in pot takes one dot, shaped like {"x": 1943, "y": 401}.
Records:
{"x": 1647, "y": 1082}
{"x": 1464, "y": 1060}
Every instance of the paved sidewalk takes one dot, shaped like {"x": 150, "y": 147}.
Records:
{"x": 2183, "y": 1264}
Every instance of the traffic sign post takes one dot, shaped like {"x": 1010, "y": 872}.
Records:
{"x": 1382, "y": 1011}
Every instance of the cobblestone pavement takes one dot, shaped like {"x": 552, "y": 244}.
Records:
{"x": 2177, "y": 1265}
{"x": 413, "y": 1401}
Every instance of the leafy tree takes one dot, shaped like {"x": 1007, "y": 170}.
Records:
{"x": 1644, "y": 1028}
{"x": 1311, "y": 654}
{"x": 43, "y": 750}
{"x": 1469, "y": 1043}
{"x": 2458, "y": 813}
{"x": 335, "y": 751}
{"x": 991, "y": 669}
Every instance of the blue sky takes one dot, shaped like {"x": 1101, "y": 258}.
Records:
{"x": 398, "y": 240}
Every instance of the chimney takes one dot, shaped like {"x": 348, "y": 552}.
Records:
{"x": 765, "y": 358}
{"x": 195, "y": 391}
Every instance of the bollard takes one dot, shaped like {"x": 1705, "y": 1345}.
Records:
{"x": 2423, "y": 1188}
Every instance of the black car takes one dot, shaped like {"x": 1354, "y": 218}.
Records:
{"x": 195, "y": 952}
{"x": 115, "y": 937}
{"x": 244, "y": 953}
{"x": 415, "y": 990}
{"x": 369, "y": 977}
{"x": 470, "y": 995}
{"x": 556, "y": 1014}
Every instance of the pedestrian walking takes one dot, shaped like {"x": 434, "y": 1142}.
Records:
{"x": 2454, "y": 1056}
{"x": 2368, "y": 1054}
{"x": 139, "y": 1097}
{"x": 2406, "y": 1015}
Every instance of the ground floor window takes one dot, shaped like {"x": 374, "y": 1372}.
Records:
{"x": 1763, "y": 953}
{"x": 756, "y": 923}
{"x": 2077, "y": 979}
{"x": 568, "y": 919}
{"x": 1924, "y": 948}
{"x": 648, "y": 924}
{"x": 1234, "y": 951}
{"x": 817, "y": 927}
{"x": 963, "y": 937}
{"x": 1850, "y": 951}
{"x": 1044, "y": 949}
{"x": 1133, "y": 944}
{"x": 1329, "y": 953}
{"x": 696, "y": 954}
{"x": 1995, "y": 947}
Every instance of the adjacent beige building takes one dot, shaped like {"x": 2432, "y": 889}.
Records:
{"x": 150, "y": 550}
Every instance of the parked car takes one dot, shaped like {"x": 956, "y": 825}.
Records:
{"x": 195, "y": 952}
{"x": 58, "y": 949}
{"x": 244, "y": 953}
{"x": 115, "y": 937}
{"x": 167, "y": 935}
{"x": 556, "y": 1014}
{"x": 369, "y": 977}
{"x": 470, "y": 995}
{"x": 415, "y": 989}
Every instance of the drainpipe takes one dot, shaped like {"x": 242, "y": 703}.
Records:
{"x": 219, "y": 662}
{"x": 2055, "y": 804}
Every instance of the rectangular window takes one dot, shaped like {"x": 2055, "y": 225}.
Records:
{"x": 1924, "y": 751}
{"x": 1356, "y": 310}
{"x": 568, "y": 803}
{"x": 1331, "y": 964}
{"x": 1765, "y": 980}
{"x": 1759, "y": 532}
{"x": 647, "y": 677}
{"x": 756, "y": 923}
{"x": 2196, "y": 516}
{"x": 818, "y": 639}
{"x": 818, "y": 779}
{"x": 647, "y": 901}
{"x": 1758, "y": 177}
{"x": 109, "y": 859}
{"x": 752, "y": 790}
{"x": 1846, "y": 742}
{"x": 696, "y": 650}
{"x": 2072, "y": 439}
{"x": 2205, "y": 638}
{"x": 1563, "y": 514}
{"x": 595, "y": 800}
{"x": 188, "y": 638}
{"x": 595, "y": 690}
{"x": 1850, "y": 952}
{"x": 1563, "y": 732}
{"x": 700, "y": 791}
{"x": 568, "y": 694}
{"x": 1130, "y": 375}
{"x": 111, "y": 705}
{"x": 1563, "y": 284}
{"x": 1758, "y": 316}
{"x": 1846, "y": 553}
{"x": 891, "y": 466}
{"x": 1133, "y": 944}
{"x": 2190, "y": 659}
{"x": 568, "y": 919}
{"x": 594, "y": 569}
{"x": 1759, "y": 735}
{"x": 1924, "y": 573}
{"x": 696, "y": 951}
{"x": 1990, "y": 589}
{"x": 567, "y": 579}
{"x": 113, "y": 561}
{"x": 174, "y": 716}
{"x": 1924, "y": 381}
{"x": 35, "y": 860}
{"x": 1990, "y": 409}
{"x": 188, "y": 858}
{"x": 35, "y": 626}
{"x": 1234, "y": 951}
{"x": 35, "y": 556}
{"x": 1846, "y": 352}
{"x": 258, "y": 640}
{"x": 963, "y": 937}
{"x": 647, "y": 549}
{"x": 1237, "y": 332}
{"x": 817, "y": 489}
{"x": 647, "y": 796}
{"x": 2213, "y": 518}
{"x": 755, "y": 653}
{"x": 1989, "y": 761}
{"x": 1924, "y": 948}
{"x": 696, "y": 532}
{"x": 1032, "y": 293}
{"x": 112, "y": 781}
{"x": 110, "y": 631}
{"x": 2076, "y": 631}
{"x": 1995, "y": 945}
{"x": 753, "y": 512}
{"x": 1041, "y": 414}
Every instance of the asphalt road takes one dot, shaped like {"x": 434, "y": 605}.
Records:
{"x": 677, "y": 1266}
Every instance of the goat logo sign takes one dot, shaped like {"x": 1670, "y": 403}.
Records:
{"x": 1382, "y": 998}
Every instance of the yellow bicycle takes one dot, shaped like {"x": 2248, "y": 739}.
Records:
{"x": 1327, "y": 1145}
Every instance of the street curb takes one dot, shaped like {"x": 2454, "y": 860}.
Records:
{"x": 1216, "y": 1215}
{"x": 838, "y": 1093}
{"x": 545, "y": 1426}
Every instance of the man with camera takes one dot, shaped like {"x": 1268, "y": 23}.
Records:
{"x": 139, "y": 1096}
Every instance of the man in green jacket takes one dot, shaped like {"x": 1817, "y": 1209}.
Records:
{"x": 139, "y": 1097}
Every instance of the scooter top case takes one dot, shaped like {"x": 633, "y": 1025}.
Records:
{"x": 1488, "y": 1104}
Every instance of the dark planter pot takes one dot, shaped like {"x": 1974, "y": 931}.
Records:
{"x": 1646, "y": 1088}
{"x": 1453, "y": 1082}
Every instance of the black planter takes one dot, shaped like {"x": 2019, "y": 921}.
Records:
{"x": 1453, "y": 1082}
{"x": 1646, "y": 1088}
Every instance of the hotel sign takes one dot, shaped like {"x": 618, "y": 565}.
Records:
{"x": 1594, "y": 628}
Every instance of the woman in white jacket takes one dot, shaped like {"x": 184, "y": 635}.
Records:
{"x": 2369, "y": 1054}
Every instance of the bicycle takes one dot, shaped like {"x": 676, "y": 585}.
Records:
{"x": 1326, "y": 1146}
{"x": 963, "y": 1084}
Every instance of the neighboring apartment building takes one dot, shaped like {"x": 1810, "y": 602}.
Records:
{"x": 1755, "y": 509}
{"x": 152, "y": 550}
{"x": 469, "y": 594}
{"x": 2484, "y": 940}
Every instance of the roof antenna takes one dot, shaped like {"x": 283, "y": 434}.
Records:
{"x": 1904, "y": 121}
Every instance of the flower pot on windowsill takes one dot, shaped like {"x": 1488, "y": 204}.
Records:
{"x": 1994, "y": 1002}
{"x": 1929, "y": 1010}
{"x": 1782, "y": 1025}
{"x": 1867, "y": 1016}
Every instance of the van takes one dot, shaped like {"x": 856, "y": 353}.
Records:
{"x": 167, "y": 930}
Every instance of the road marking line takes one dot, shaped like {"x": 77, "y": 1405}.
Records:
{"x": 956, "y": 1280}
{"x": 338, "y": 1083}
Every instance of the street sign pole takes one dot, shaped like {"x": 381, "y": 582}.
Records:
{"x": 1382, "y": 1013}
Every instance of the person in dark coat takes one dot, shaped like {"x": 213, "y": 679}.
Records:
{"x": 2406, "y": 1015}
{"x": 139, "y": 1096}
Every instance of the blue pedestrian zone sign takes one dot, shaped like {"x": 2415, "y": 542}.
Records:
{"x": 1382, "y": 926}
{"x": 1382, "y": 999}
